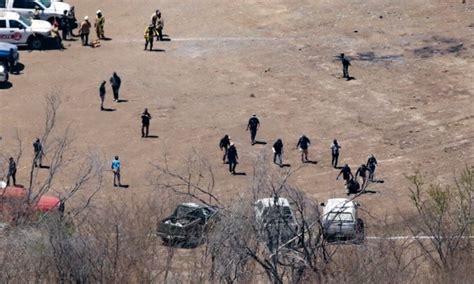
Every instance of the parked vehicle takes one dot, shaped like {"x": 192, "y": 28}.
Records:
{"x": 13, "y": 201}
{"x": 276, "y": 222}
{"x": 340, "y": 221}
{"x": 48, "y": 10}
{"x": 188, "y": 225}
{"x": 20, "y": 30}
{"x": 3, "y": 74}
{"x": 5, "y": 53}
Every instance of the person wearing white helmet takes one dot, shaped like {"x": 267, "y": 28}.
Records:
{"x": 84, "y": 31}
{"x": 99, "y": 24}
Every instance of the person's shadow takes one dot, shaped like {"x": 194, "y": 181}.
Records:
{"x": 311, "y": 162}
{"x": 157, "y": 50}
{"x": 152, "y": 136}
{"x": 122, "y": 101}
{"x": 260, "y": 142}
{"x": 5, "y": 85}
{"x": 350, "y": 78}
{"x": 124, "y": 186}
{"x": 240, "y": 174}
{"x": 285, "y": 165}
{"x": 109, "y": 109}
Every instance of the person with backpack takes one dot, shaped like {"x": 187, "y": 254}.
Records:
{"x": 224, "y": 145}
{"x": 253, "y": 125}
{"x": 232, "y": 157}
{"x": 335, "y": 153}
{"x": 278, "y": 152}
{"x": 371, "y": 165}
{"x": 303, "y": 145}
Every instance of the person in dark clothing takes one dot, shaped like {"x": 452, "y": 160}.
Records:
{"x": 253, "y": 125}
{"x": 362, "y": 172}
{"x": 346, "y": 173}
{"x": 146, "y": 117}
{"x": 345, "y": 66}
{"x": 38, "y": 149}
{"x": 102, "y": 94}
{"x": 11, "y": 171}
{"x": 224, "y": 145}
{"x": 115, "y": 82}
{"x": 65, "y": 25}
{"x": 371, "y": 165}
{"x": 11, "y": 61}
{"x": 303, "y": 144}
{"x": 277, "y": 152}
{"x": 232, "y": 157}
{"x": 335, "y": 153}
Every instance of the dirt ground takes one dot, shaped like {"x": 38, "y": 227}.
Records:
{"x": 411, "y": 103}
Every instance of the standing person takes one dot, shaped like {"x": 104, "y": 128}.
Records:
{"x": 116, "y": 169}
{"x": 115, "y": 82}
{"x": 65, "y": 24}
{"x": 335, "y": 153}
{"x": 38, "y": 149}
{"x": 303, "y": 144}
{"x": 36, "y": 13}
{"x": 150, "y": 32}
{"x": 159, "y": 23}
{"x": 345, "y": 66}
{"x": 102, "y": 94}
{"x": 84, "y": 31}
{"x": 11, "y": 171}
{"x": 277, "y": 152}
{"x": 99, "y": 24}
{"x": 55, "y": 35}
{"x": 146, "y": 117}
{"x": 224, "y": 145}
{"x": 232, "y": 157}
{"x": 371, "y": 165}
{"x": 362, "y": 172}
{"x": 253, "y": 125}
{"x": 346, "y": 173}
{"x": 11, "y": 61}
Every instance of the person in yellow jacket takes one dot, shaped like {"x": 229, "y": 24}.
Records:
{"x": 150, "y": 33}
{"x": 99, "y": 25}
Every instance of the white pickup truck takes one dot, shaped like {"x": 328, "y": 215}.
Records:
{"x": 20, "y": 30}
{"x": 48, "y": 10}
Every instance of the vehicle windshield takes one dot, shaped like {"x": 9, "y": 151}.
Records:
{"x": 46, "y": 3}
{"x": 340, "y": 217}
{"x": 26, "y": 21}
{"x": 183, "y": 210}
{"x": 275, "y": 213}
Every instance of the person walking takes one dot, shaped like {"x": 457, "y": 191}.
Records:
{"x": 84, "y": 31}
{"x": 64, "y": 25}
{"x": 146, "y": 117}
{"x": 38, "y": 149}
{"x": 335, "y": 153}
{"x": 232, "y": 157}
{"x": 116, "y": 169}
{"x": 278, "y": 152}
{"x": 346, "y": 173}
{"x": 345, "y": 66}
{"x": 253, "y": 125}
{"x": 371, "y": 165}
{"x": 159, "y": 23}
{"x": 99, "y": 24}
{"x": 11, "y": 171}
{"x": 150, "y": 33}
{"x": 115, "y": 82}
{"x": 303, "y": 145}
{"x": 362, "y": 172}
{"x": 102, "y": 94}
{"x": 224, "y": 145}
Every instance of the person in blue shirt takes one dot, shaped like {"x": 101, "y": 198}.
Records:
{"x": 116, "y": 170}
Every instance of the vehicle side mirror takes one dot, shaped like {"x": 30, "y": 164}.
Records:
{"x": 322, "y": 204}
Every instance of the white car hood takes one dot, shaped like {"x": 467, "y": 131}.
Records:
{"x": 59, "y": 7}
{"x": 39, "y": 26}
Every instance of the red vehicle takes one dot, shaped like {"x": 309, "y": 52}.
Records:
{"x": 13, "y": 202}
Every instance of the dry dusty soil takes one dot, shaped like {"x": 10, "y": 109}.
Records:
{"x": 411, "y": 102}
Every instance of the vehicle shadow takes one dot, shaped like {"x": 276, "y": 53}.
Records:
{"x": 6, "y": 85}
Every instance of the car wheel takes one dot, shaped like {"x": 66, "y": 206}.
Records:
{"x": 35, "y": 42}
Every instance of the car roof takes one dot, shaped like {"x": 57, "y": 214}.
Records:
{"x": 8, "y": 46}
{"x": 268, "y": 202}
{"x": 341, "y": 205}
{"x": 190, "y": 204}
{"x": 9, "y": 15}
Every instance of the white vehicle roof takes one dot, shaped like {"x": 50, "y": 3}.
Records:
{"x": 9, "y": 15}
{"x": 340, "y": 205}
{"x": 190, "y": 204}
{"x": 268, "y": 202}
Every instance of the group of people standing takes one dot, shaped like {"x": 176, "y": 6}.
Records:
{"x": 86, "y": 26}
{"x": 37, "y": 161}
{"x": 154, "y": 29}
{"x": 365, "y": 171}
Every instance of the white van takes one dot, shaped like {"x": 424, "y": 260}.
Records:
{"x": 20, "y": 30}
{"x": 340, "y": 221}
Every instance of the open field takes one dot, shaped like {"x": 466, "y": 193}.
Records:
{"x": 411, "y": 103}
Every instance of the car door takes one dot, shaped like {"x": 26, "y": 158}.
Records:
{"x": 16, "y": 32}
{"x": 4, "y": 31}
